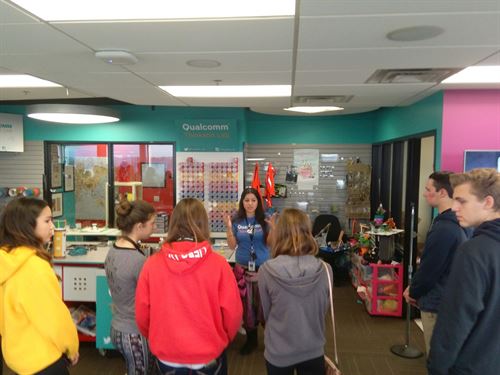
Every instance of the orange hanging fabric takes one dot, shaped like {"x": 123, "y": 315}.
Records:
{"x": 256, "y": 179}
{"x": 270, "y": 191}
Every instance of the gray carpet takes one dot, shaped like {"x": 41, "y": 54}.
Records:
{"x": 363, "y": 341}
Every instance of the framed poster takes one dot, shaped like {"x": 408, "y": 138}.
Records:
{"x": 69, "y": 177}
{"x": 57, "y": 204}
{"x": 55, "y": 174}
{"x": 153, "y": 175}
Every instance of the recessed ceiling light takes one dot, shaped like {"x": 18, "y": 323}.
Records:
{"x": 414, "y": 33}
{"x": 72, "y": 113}
{"x": 235, "y": 91}
{"x": 201, "y": 63}
{"x": 24, "y": 80}
{"x": 98, "y": 10}
{"x": 314, "y": 109}
{"x": 476, "y": 74}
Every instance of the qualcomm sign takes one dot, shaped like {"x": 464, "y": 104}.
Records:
{"x": 208, "y": 134}
{"x": 202, "y": 130}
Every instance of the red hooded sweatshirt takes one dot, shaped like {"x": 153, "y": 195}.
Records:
{"x": 187, "y": 303}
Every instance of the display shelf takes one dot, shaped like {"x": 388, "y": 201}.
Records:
{"x": 136, "y": 188}
{"x": 82, "y": 337}
{"x": 385, "y": 232}
{"x": 380, "y": 286}
{"x": 384, "y": 242}
{"x": 90, "y": 232}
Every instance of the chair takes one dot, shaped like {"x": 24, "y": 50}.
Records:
{"x": 334, "y": 230}
{"x": 338, "y": 260}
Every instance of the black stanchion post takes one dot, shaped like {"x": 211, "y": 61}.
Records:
{"x": 406, "y": 350}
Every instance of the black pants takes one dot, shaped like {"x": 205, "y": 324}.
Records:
{"x": 315, "y": 366}
{"x": 219, "y": 367}
{"x": 59, "y": 367}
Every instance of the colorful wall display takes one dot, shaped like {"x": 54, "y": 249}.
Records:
{"x": 216, "y": 178}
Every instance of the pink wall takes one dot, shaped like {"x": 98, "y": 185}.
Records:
{"x": 471, "y": 121}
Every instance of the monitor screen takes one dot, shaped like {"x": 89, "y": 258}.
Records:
{"x": 481, "y": 159}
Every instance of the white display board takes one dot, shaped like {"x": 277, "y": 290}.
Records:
{"x": 216, "y": 178}
{"x": 11, "y": 133}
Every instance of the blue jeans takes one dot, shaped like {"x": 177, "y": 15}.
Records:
{"x": 217, "y": 368}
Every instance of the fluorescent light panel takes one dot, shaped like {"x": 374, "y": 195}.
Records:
{"x": 66, "y": 118}
{"x": 24, "y": 80}
{"x": 72, "y": 113}
{"x": 122, "y": 10}
{"x": 476, "y": 74}
{"x": 234, "y": 91}
{"x": 314, "y": 109}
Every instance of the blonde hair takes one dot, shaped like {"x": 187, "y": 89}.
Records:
{"x": 292, "y": 235}
{"x": 483, "y": 181}
{"x": 189, "y": 219}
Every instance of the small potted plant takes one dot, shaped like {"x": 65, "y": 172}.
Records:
{"x": 378, "y": 219}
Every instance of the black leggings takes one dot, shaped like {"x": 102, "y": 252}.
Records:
{"x": 315, "y": 366}
{"x": 59, "y": 367}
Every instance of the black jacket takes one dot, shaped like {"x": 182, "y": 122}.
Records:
{"x": 466, "y": 338}
{"x": 443, "y": 239}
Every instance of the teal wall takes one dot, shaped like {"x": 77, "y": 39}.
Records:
{"x": 270, "y": 129}
{"x": 137, "y": 124}
{"x": 160, "y": 124}
{"x": 401, "y": 122}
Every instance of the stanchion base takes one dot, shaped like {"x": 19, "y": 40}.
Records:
{"x": 406, "y": 351}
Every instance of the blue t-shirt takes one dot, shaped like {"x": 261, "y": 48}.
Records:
{"x": 245, "y": 243}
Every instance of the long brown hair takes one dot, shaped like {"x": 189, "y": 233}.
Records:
{"x": 188, "y": 220}
{"x": 18, "y": 224}
{"x": 260, "y": 216}
{"x": 292, "y": 235}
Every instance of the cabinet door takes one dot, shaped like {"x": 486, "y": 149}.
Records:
{"x": 79, "y": 283}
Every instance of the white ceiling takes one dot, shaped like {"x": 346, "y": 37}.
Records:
{"x": 330, "y": 48}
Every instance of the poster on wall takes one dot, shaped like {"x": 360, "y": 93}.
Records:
{"x": 55, "y": 175}
{"x": 153, "y": 175}
{"x": 57, "y": 204}
{"x": 69, "y": 177}
{"x": 307, "y": 164}
{"x": 11, "y": 133}
{"x": 91, "y": 178}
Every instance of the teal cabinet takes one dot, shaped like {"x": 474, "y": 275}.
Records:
{"x": 103, "y": 314}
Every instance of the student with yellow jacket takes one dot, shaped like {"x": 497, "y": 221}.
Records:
{"x": 38, "y": 334}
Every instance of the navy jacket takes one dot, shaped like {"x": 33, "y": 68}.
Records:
{"x": 466, "y": 338}
{"x": 443, "y": 239}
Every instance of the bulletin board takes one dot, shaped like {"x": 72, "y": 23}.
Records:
{"x": 216, "y": 178}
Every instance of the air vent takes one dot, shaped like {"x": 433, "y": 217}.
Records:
{"x": 322, "y": 100}
{"x": 427, "y": 75}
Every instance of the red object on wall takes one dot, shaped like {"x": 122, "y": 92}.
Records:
{"x": 256, "y": 179}
{"x": 270, "y": 192}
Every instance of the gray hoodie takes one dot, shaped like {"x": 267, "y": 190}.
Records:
{"x": 294, "y": 293}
